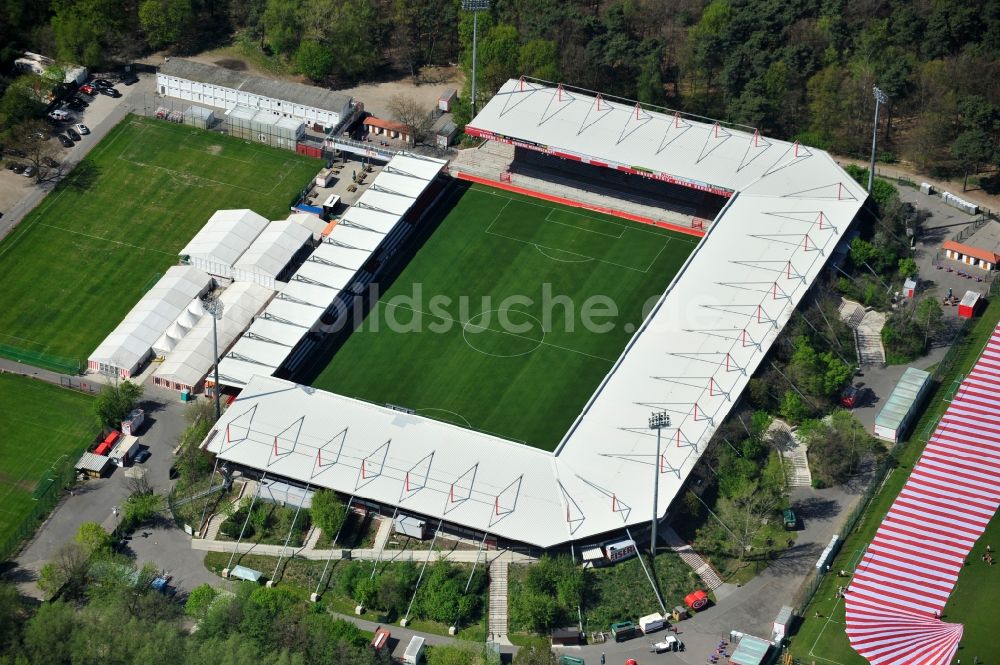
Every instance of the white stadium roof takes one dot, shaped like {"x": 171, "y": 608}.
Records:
{"x": 130, "y": 343}
{"x": 330, "y": 268}
{"x": 191, "y": 358}
{"x": 270, "y": 252}
{"x": 314, "y": 223}
{"x": 223, "y": 239}
{"x": 692, "y": 357}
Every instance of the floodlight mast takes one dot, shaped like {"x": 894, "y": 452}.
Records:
{"x": 657, "y": 420}
{"x": 474, "y": 6}
{"x": 215, "y": 308}
{"x": 880, "y": 98}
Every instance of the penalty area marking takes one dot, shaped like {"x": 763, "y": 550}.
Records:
{"x": 459, "y": 415}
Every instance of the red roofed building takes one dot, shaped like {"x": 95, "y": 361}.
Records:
{"x": 387, "y": 128}
{"x": 980, "y": 250}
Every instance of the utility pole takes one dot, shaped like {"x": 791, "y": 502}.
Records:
{"x": 880, "y": 98}
{"x": 657, "y": 420}
{"x": 215, "y": 308}
{"x": 474, "y": 6}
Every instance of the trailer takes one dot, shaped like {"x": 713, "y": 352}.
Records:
{"x": 623, "y": 630}
{"x": 133, "y": 421}
{"x": 652, "y": 622}
{"x": 620, "y": 550}
{"x": 125, "y": 451}
{"x": 414, "y": 651}
{"x": 380, "y": 639}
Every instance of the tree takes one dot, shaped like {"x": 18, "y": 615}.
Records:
{"x": 314, "y": 60}
{"x": 540, "y": 58}
{"x": 792, "y": 408}
{"x": 407, "y": 110}
{"x": 972, "y": 148}
{"x": 66, "y": 571}
{"x": 140, "y": 508}
{"x": 534, "y": 655}
{"x": 165, "y": 21}
{"x": 746, "y": 512}
{"x": 281, "y": 25}
{"x": 199, "y": 601}
{"x": 114, "y": 402}
{"x": 649, "y": 86}
{"x": 328, "y": 512}
{"x": 908, "y": 267}
{"x": 94, "y": 540}
{"x": 835, "y": 448}
{"x": 46, "y": 635}
{"x": 33, "y": 137}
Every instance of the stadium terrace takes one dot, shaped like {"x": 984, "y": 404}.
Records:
{"x": 788, "y": 207}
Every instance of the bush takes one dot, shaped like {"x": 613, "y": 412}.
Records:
{"x": 793, "y": 409}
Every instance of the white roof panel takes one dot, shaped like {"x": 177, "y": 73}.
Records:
{"x": 357, "y": 238}
{"x": 225, "y": 236}
{"x": 345, "y": 257}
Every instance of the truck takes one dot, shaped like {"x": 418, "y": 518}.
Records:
{"x": 124, "y": 451}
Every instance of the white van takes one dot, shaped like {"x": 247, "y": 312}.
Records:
{"x": 59, "y": 114}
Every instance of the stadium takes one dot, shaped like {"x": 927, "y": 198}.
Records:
{"x": 733, "y": 229}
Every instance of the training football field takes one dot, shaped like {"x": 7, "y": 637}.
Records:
{"x": 76, "y": 265}
{"x": 509, "y": 316}
{"x": 40, "y": 423}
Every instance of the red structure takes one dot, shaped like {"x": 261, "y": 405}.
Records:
{"x": 696, "y": 600}
{"x": 108, "y": 443}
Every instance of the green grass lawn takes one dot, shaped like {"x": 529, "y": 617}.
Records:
{"x": 40, "y": 422}
{"x": 76, "y": 265}
{"x": 475, "y": 330}
{"x": 823, "y": 639}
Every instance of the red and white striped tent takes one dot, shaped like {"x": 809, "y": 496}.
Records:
{"x": 904, "y": 579}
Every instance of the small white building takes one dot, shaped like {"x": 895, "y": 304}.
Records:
{"x": 226, "y": 89}
{"x": 222, "y": 241}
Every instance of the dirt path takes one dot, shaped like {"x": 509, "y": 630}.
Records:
{"x": 978, "y": 196}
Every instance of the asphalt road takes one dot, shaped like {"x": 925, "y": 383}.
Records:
{"x": 92, "y": 501}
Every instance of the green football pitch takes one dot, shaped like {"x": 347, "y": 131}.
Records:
{"x": 76, "y": 265}
{"x": 40, "y": 422}
{"x": 492, "y": 324}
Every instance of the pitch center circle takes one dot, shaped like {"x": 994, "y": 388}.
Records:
{"x": 484, "y": 333}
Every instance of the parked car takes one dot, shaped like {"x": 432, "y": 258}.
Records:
{"x": 17, "y": 168}
{"x": 87, "y": 89}
{"x": 49, "y": 162}
{"x": 853, "y": 397}
{"x": 129, "y": 78}
{"x": 73, "y": 134}
{"x": 66, "y": 141}
{"x": 29, "y": 171}
{"x": 76, "y": 104}
{"x": 39, "y": 136}
{"x": 14, "y": 152}
{"x": 142, "y": 456}
{"x": 110, "y": 92}
{"x": 82, "y": 128}
{"x": 102, "y": 83}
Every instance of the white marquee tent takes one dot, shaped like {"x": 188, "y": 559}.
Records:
{"x": 270, "y": 252}
{"x": 223, "y": 239}
{"x": 191, "y": 358}
{"x": 131, "y": 343}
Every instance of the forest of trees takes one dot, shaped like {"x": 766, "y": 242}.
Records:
{"x": 790, "y": 67}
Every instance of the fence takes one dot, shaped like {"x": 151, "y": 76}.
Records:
{"x": 47, "y": 361}
{"x": 944, "y": 368}
{"x": 45, "y": 496}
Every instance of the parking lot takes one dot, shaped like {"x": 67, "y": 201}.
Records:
{"x": 167, "y": 547}
{"x": 19, "y": 195}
